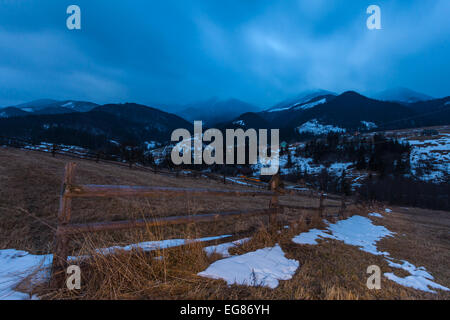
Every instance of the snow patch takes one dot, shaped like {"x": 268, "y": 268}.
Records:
{"x": 157, "y": 245}
{"x": 239, "y": 123}
{"x": 308, "y": 105}
{"x": 150, "y": 145}
{"x": 316, "y": 128}
{"x": 357, "y": 231}
{"x": 419, "y": 279}
{"x": 376, "y": 215}
{"x": 16, "y": 265}
{"x": 311, "y": 237}
{"x": 369, "y": 125}
{"x": 223, "y": 248}
{"x": 68, "y": 105}
{"x": 263, "y": 267}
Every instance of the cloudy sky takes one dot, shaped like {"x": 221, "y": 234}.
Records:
{"x": 178, "y": 51}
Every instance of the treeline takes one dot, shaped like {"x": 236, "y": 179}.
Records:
{"x": 406, "y": 191}
{"x": 377, "y": 154}
{"x": 324, "y": 181}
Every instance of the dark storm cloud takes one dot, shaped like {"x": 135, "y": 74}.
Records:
{"x": 180, "y": 51}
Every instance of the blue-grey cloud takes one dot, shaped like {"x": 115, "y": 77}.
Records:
{"x": 181, "y": 51}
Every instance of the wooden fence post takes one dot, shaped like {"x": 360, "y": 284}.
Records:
{"x": 274, "y": 204}
{"x": 343, "y": 207}
{"x": 60, "y": 245}
{"x": 321, "y": 205}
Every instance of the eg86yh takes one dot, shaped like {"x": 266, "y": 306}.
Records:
{"x": 237, "y": 309}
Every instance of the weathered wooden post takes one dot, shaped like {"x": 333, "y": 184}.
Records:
{"x": 274, "y": 204}
{"x": 53, "y": 150}
{"x": 321, "y": 205}
{"x": 343, "y": 207}
{"x": 60, "y": 245}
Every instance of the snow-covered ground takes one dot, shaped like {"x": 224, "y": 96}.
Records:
{"x": 434, "y": 153}
{"x": 305, "y": 164}
{"x": 150, "y": 145}
{"x": 16, "y": 265}
{"x": 48, "y": 147}
{"x": 301, "y": 105}
{"x": 361, "y": 232}
{"x": 369, "y": 125}
{"x": 309, "y": 105}
{"x": 263, "y": 267}
{"x": 316, "y": 128}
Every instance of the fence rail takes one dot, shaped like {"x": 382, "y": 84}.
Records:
{"x": 121, "y": 225}
{"x": 96, "y": 191}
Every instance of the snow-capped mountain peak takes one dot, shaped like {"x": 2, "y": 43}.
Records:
{"x": 301, "y": 98}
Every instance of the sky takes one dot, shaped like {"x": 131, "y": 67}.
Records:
{"x": 175, "y": 52}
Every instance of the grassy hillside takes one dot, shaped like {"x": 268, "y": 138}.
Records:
{"x": 29, "y": 191}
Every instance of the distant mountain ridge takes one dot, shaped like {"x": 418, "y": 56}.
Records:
{"x": 403, "y": 95}
{"x": 215, "y": 111}
{"x": 50, "y": 106}
{"x": 349, "y": 111}
{"x": 301, "y": 98}
{"x": 123, "y": 123}
{"x": 10, "y": 112}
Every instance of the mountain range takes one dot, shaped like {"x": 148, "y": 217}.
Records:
{"x": 349, "y": 111}
{"x": 128, "y": 123}
{"x": 46, "y": 106}
{"x": 310, "y": 113}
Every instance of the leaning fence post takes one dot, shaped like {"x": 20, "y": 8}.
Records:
{"x": 60, "y": 246}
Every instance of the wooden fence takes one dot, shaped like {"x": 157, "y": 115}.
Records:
{"x": 114, "y": 160}
{"x": 70, "y": 191}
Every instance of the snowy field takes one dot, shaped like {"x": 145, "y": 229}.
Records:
{"x": 262, "y": 267}
{"x": 16, "y": 265}
{"x": 431, "y": 156}
{"x": 361, "y": 232}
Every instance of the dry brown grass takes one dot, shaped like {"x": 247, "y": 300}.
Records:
{"x": 330, "y": 270}
{"x": 29, "y": 194}
{"x": 30, "y": 184}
